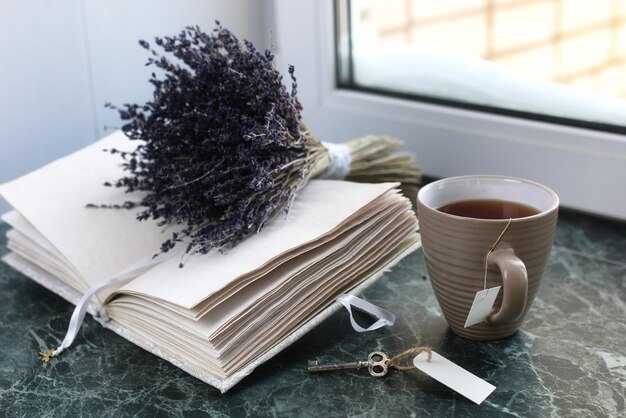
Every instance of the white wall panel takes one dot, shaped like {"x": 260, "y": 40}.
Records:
{"x": 45, "y": 104}
{"x": 115, "y": 26}
{"x": 61, "y": 60}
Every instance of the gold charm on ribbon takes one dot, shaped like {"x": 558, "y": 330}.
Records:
{"x": 46, "y": 356}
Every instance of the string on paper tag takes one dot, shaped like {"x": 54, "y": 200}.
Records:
{"x": 484, "y": 299}
{"x": 443, "y": 370}
{"x": 453, "y": 376}
{"x": 493, "y": 247}
{"x": 394, "y": 362}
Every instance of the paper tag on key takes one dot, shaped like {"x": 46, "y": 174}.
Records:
{"x": 455, "y": 377}
{"x": 481, "y": 308}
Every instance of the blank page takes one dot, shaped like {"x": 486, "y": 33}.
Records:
{"x": 97, "y": 242}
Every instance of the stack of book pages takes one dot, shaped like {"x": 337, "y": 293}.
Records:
{"x": 221, "y": 315}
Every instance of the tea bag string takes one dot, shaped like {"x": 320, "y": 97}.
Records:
{"x": 394, "y": 362}
{"x": 493, "y": 247}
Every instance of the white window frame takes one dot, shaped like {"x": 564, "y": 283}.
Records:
{"x": 587, "y": 168}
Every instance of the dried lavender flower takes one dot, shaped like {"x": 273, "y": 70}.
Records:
{"x": 221, "y": 149}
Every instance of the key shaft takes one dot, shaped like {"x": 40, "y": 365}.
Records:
{"x": 315, "y": 367}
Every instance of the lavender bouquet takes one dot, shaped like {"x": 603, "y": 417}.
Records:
{"x": 222, "y": 148}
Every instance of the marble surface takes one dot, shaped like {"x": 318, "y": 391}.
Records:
{"x": 568, "y": 359}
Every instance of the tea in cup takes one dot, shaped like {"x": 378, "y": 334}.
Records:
{"x": 460, "y": 220}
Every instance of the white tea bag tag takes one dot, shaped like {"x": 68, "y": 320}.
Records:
{"x": 455, "y": 377}
{"x": 481, "y": 308}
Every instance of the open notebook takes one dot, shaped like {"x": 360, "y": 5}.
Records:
{"x": 221, "y": 315}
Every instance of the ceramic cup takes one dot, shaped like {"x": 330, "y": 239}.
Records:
{"x": 455, "y": 248}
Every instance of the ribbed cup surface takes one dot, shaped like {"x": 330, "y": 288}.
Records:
{"x": 455, "y": 250}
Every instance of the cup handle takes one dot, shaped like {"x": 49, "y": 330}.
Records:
{"x": 514, "y": 286}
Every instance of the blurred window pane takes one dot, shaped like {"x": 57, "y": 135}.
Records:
{"x": 560, "y": 59}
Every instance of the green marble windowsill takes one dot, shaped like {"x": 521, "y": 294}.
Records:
{"x": 568, "y": 359}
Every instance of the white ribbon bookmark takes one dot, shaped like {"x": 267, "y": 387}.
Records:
{"x": 384, "y": 318}
{"x": 340, "y": 161}
{"x": 78, "y": 316}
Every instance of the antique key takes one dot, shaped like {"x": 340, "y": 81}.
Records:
{"x": 377, "y": 364}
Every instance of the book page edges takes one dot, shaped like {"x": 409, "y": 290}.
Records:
{"x": 207, "y": 274}
{"x": 53, "y": 200}
{"x": 71, "y": 295}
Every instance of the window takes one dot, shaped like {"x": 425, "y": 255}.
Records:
{"x": 555, "y": 60}
{"x": 583, "y": 161}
